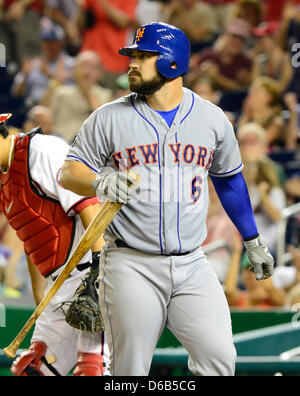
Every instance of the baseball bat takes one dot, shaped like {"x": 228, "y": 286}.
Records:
{"x": 94, "y": 231}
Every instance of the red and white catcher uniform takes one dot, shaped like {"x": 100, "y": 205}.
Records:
{"x": 45, "y": 218}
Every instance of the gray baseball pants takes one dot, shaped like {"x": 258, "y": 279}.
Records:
{"x": 141, "y": 294}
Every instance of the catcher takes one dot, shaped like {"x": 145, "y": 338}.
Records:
{"x": 50, "y": 221}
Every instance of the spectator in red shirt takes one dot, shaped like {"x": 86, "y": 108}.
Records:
{"x": 106, "y": 29}
{"x": 273, "y": 9}
{"x": 19, "y": 28}
{"x": 227, "y": 65}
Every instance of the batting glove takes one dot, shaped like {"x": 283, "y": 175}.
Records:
{"x": 260, "y": 258}
{"x": 116, "y": 187}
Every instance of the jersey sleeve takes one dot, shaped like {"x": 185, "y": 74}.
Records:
{"x": 90, "y": 146}
{"x": 46, "y": 158}
{"x": 227, "y": 158}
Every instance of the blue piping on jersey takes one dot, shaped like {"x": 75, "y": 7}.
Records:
{"x": 226, "y": 173}
{"x": 193, "y": 102}
{"x": 178, "y": 203}
{"x": 178, "y": 178}
{"x": 160, "y": 176}
{"x": 81, "y": 160}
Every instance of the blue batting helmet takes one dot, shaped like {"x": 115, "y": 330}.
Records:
{"x": 169, "y": 42}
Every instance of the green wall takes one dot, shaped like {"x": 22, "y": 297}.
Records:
{"x": 241, "y": 322}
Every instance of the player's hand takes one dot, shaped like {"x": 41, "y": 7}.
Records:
{"x": 116, "y": 187}
{"x": 260, "y": 257}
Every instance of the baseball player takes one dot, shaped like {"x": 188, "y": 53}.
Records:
{"x": 50, "y": 221}
{"x": 153, "y": 272}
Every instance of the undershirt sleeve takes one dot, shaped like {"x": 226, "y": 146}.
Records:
{"x": 234, "y": 196}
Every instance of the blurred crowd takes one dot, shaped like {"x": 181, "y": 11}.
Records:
{"x": 62, "y": 63}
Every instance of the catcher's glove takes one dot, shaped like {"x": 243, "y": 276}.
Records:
{"x": 84, "y": 311}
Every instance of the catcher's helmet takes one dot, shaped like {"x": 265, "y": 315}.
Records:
{"x": 169, "y": 42}
{"x": 4, "y": 117}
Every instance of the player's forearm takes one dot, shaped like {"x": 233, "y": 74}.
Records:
{"x": 78, "y": 177}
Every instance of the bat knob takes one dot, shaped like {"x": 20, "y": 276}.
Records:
{"x": 9, "y": 352}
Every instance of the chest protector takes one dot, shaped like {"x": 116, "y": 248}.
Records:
{"x": 40, "y": 222}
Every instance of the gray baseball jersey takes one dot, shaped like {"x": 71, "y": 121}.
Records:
{"x": 168, "y": 213}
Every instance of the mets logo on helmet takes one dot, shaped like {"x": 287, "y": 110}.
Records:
{"x": 140, "y": 34}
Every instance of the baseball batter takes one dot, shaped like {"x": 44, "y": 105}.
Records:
{"x": 50, "y": 221}
{"x": 153, "y": 272}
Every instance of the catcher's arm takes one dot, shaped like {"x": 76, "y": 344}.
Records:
{"x": 87, "y": 215}
{"x": 38, "y": 282}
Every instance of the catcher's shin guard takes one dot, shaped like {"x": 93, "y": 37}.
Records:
{"x": 89, "y": 365}
{"x": 28, "y": 364}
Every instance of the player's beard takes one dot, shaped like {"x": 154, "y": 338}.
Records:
{"x": 147, "y": 87}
